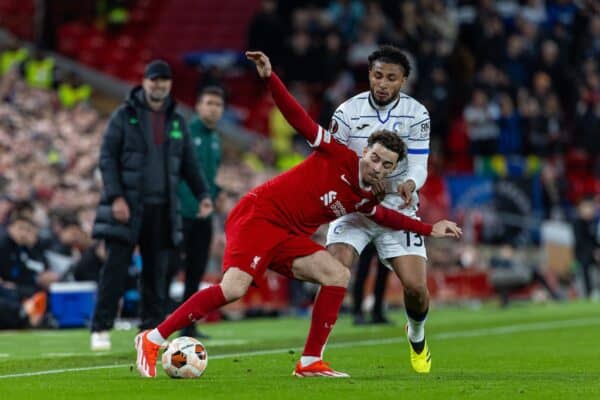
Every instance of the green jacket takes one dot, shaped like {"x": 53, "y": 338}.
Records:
{"x": 208, "y": 153}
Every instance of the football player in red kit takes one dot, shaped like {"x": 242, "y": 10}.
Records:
{"x": 271, "y": 227}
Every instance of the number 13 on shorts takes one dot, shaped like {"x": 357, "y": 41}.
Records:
{"x": 413, "y": 239}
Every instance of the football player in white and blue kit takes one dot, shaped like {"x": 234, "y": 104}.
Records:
{"x": 385, "y": 107}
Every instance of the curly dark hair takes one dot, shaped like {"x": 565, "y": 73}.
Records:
{"x": 391, "y": 55}
{"x": 390, "y": 141}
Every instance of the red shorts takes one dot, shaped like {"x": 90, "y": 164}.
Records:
{"x": 253, "y": 243}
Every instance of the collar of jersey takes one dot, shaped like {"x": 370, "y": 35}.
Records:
{"x": 387, "y": 109}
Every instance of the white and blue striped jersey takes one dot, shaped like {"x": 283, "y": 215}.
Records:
{"x": 358, "y": 117}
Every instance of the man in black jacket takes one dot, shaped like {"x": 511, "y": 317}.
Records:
{"x": 146, "y": 151}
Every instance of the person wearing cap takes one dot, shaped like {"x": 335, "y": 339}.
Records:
{"x": 145, "y": 153}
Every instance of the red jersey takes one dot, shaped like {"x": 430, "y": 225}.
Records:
{"x": 322, "y": 188}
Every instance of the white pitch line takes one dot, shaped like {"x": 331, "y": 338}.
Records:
{"x": 529, "y": 327}
{"x": 499, "y": 330}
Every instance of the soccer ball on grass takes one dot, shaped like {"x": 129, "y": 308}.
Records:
{"x": 185, "y": 357}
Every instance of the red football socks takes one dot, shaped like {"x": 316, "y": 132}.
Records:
{"x": 324, "y": 315}
{"x": 196, "y": 307}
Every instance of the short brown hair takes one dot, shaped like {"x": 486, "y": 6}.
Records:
{"x": 390, "y": 141}
{"x": 212, "y": 90}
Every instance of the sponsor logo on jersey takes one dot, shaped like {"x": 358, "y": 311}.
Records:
{"x": 329, "y": 201}
{"x": 328, "y": 198}
{"x": 343, "y": 177}
{"x": 255, "y": 262}
{"x": 363, "y": 126}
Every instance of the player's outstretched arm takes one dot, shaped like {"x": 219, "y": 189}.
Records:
{"x": 291, "y": 110}
{"x": 397, "y": 221}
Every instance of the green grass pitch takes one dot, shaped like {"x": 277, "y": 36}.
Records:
{"x": 524, "y": 352}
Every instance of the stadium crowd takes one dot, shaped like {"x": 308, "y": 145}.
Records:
{"x": 516, "y": 79}
{"x": 498, "y": 78}
{"x": 508, "y": 78}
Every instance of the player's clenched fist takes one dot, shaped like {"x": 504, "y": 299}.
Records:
{"x": 263, "y": 64}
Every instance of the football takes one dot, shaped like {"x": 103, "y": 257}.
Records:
{"x": 185, "y": 357}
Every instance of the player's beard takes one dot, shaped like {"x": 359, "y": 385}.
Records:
{"x": 158, "y": 96}
{"x": 384, "y": 103}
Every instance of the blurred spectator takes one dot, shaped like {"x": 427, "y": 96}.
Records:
{"x": 408, "y": 28}
{"x": 64, "y": 232}
{"x": 517, "y": 63}
{"x": 299, "y": 59}
{"x": 510, "y": 139}
{"x": 376, "y": 21}
{"x": 561, "y": 12}
{"x": 40, "y": 70}
{"x": 552, "y": 63}
{"x": 359, "y": 50}
{"x": 459, "y": 157}
{"x": 534, "y": 11}
{"x": 587, "y": 243}
{"x": 346, "y": 15}
{"x": 266, "y": 31}
{"x": 439, "y": 22}
{"x": 481, "y": 115}
{"x": 332, "y": 57}
{"x": 588, "y": 113}
{"x": 23, "y": 275}
{"x": 338, "y": 91}
{"x": 590, "y": 41}
{"x": 554, "y": 188}
{"x": 12, "y": 56}
{"x": 71, "y": 91}
{"x": 492, "y": 80}
{"x": 490, "y": 41}
{"x": 117, "y": 15}
{"x": 435, "y": 95}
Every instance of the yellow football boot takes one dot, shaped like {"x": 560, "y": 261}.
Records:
{"x": 420, "y": 362}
